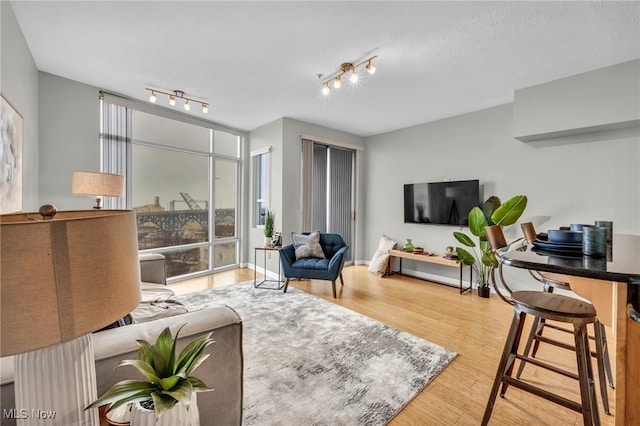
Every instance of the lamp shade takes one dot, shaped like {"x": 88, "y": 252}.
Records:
{"x": 97, "y": 184}
{"x": 65, "y": 277}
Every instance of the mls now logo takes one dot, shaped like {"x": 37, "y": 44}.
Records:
{"x": 23, "y": 413}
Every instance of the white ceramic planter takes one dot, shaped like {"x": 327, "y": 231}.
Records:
{"x": 179, "y": 415}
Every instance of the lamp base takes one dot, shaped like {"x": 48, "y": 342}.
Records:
{"x": 53, "y": 385}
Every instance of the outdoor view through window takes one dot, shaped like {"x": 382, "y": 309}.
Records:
{"x": 178, "y": 172}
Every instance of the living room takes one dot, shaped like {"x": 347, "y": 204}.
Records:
{"x": 571, "y": 178}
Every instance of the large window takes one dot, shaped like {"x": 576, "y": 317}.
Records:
{"x": 182, "y": 181}
{"x": 260, "y": 160}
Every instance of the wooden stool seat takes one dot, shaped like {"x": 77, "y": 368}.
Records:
{"x": 549, "y": 306}
{"x": 555, "y": 307}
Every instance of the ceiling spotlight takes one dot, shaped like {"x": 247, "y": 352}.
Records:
{"x": 370, "y": 68}
{"x": 178, "y": 94}
{"x": 351, "y": 70}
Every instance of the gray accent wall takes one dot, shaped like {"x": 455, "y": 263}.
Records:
{"x": 69, "y": 138}
{"x": 572, "y": 180}
{"x": 19, "y": 85}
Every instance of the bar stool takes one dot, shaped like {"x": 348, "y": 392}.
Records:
{"x": 547, "y": 306}
{"x": 550, "y": 282}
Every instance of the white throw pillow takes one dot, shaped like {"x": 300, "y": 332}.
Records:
{"x": 380, "y": 258}
{"x": 307, "y": 245}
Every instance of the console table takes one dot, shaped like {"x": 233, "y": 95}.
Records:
{"x": 428, "y": 258}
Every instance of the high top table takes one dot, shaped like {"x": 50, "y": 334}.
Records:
{"x": 610, "y": 284}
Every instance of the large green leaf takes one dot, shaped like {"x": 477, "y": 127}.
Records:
{"x": 145, "y": 351}
{"x": 464, "y": 239}
{"x": 196, "y": 363}
{"x": 162, "y": 402}
{"x": 510, "y": 211}
{"x": 124, "y": 390}
{"x": 182, "y": 392}
{"x": 489, "y": 206}
{"x": 144, "y": 368}
{"x": 191, "y": 352}
{"x": 465, "y": 257}
{"x": 198, "y": 385}
{"x": 169, "y": 383}
{"x": 489, "y": 259}
{"x": 477, "y": 222}
{"x": 164, "y": 354}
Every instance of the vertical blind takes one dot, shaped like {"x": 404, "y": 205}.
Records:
{"x": 115, "y": 138}
{"x": 327, "y": 189}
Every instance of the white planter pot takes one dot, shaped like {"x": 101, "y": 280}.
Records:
{"x": 179, "y": 415}
{"x": 267, "y": 241}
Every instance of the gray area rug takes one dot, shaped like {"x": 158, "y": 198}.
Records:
{"x": 311, "y": 362}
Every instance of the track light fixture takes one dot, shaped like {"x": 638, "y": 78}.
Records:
{"x": 153, "y": 98}
{"x": 349, "y": 69}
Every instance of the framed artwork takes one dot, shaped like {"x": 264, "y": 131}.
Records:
{"x": 11, "y": 139}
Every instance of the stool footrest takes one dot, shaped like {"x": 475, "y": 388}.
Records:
{"x": 548, "y": 367}
{"x": 542, "y": 393}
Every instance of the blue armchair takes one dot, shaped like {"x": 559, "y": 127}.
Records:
{"x": 334, "y": 249}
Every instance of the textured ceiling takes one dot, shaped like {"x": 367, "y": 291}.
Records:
{"x": 258, "y": 61}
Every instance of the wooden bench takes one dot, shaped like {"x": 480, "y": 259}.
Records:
{"x": 428, "y": 258}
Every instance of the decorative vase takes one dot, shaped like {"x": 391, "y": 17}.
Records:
{"x": 408, "y": 246}
{"x": 179, "y": 415}
{"x": 483, "y": 290}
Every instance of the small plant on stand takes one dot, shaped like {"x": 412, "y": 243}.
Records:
{"x": 483, "y": 260}
{"x": 269, "y": 224}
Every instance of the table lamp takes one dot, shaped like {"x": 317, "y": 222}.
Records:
{"x": 97, "y": 185}
{"x": 63, "y": 278}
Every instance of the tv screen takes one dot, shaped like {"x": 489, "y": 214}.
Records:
{"x": 442, "y": 203}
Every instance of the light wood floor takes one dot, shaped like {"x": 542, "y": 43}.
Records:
{"x": 473, "y": 327}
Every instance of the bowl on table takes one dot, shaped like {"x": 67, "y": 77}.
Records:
{"x": 564, "y": 236}
{"x": 577, "y": 226}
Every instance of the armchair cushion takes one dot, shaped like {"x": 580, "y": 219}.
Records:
{"x": 307, "y": 245}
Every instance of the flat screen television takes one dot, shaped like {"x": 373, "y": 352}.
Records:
{"x": 441, "y": 203}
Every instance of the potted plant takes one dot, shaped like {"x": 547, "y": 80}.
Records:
{"x": 482, "y": 259}
{"x": 269, "y": 223}
{"x": 167, "y": 396}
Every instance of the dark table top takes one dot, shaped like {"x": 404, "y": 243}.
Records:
{"x": 622, "y": 263}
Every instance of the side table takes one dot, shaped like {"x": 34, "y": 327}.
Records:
{"x": 266, "y": 283}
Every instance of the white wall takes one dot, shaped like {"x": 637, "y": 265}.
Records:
{"x": 19, "y": 85}
{"x": 576, "y": 180}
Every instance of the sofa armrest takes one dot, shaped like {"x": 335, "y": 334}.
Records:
{"x": 222, "y": 371}
{"x": 153, "y": 268}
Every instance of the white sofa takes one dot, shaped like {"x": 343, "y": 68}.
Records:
{"x": 223, "y": 370}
